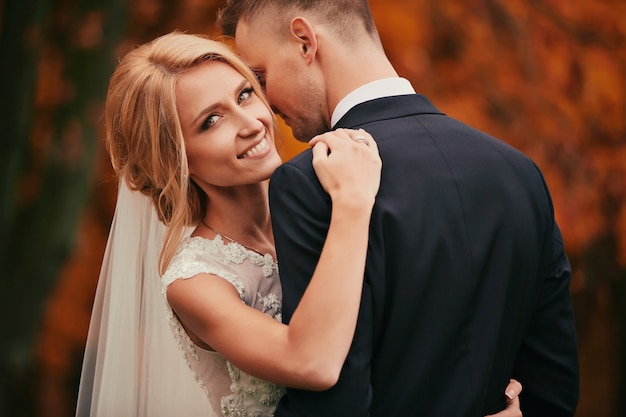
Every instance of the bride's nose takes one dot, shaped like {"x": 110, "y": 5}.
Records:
{"x": 250, "y": 125}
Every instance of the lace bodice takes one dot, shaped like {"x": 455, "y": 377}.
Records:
{"x": 231, "y": 391}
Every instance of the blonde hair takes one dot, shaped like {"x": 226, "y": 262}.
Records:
{"x": 143, "y": 133}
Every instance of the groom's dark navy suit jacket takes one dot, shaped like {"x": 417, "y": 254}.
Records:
{"x": 466, "y": 283}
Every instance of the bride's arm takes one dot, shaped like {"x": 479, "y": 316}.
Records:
{"x": 309, "y": 353}
{"x": 338, "y": 278}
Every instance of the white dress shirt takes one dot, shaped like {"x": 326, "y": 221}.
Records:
{"x": 385, "y": 87}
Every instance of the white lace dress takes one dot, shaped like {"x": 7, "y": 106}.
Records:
{"x": 230, "y": 391}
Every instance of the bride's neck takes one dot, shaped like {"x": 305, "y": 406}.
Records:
{"x": 242, "y": 215}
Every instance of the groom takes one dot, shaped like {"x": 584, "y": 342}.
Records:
{"x": 466, "y": 282}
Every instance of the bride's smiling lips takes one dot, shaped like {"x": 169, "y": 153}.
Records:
{"x": 258, "y": 149}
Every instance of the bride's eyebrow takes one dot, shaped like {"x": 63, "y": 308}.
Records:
{"x": 209, "y": 109}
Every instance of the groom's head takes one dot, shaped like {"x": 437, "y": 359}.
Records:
{"x": 305, "y": 53}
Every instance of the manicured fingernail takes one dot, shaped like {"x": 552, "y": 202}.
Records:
{"x": 510, "y": 394}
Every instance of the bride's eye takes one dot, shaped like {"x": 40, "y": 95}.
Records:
{"x": 245, "y": 94}
{"x": 209, "y": 121}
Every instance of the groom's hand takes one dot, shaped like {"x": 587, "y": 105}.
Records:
{"x": 512, "y": 393}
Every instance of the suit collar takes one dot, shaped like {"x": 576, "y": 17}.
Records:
{"x": 387, "y": 108}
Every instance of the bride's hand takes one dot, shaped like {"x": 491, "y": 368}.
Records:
{"x": 512, "y": 393}
{"x": 348, "y": 166}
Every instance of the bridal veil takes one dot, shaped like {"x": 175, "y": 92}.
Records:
{"x": 132, "y": 365}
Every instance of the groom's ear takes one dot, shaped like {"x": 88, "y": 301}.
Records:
{"x": 304, "y": 34}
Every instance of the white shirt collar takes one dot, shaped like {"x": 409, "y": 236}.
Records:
{"x": 385, "y": 87}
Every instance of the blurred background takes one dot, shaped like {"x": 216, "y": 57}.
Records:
{"x": 548, "y": 77}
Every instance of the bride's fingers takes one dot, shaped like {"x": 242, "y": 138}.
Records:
{"x": 331, "y": 139}
{"x": 320, "y": 150}
{"x": 345, "y": 136}
{"x": 361, "y": 137}
{"x": 347, "y": 163}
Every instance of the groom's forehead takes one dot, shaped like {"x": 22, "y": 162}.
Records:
{"x": 255, "y": 46}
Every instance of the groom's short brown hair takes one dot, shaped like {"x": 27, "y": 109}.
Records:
{"x": 337, "y": 13}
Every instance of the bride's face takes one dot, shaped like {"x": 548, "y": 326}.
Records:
{"x": 228, "y": 131}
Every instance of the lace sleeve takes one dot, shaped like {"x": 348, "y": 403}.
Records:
{"x": 201, "y": 256}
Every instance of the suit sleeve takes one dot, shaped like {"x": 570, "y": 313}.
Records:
{"x": 547, "y": 363}
{"x": 300, "y": 211}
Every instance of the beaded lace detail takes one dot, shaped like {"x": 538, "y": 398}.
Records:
{"x": 255, "y": 277}
{"x": 245, "y": 388}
